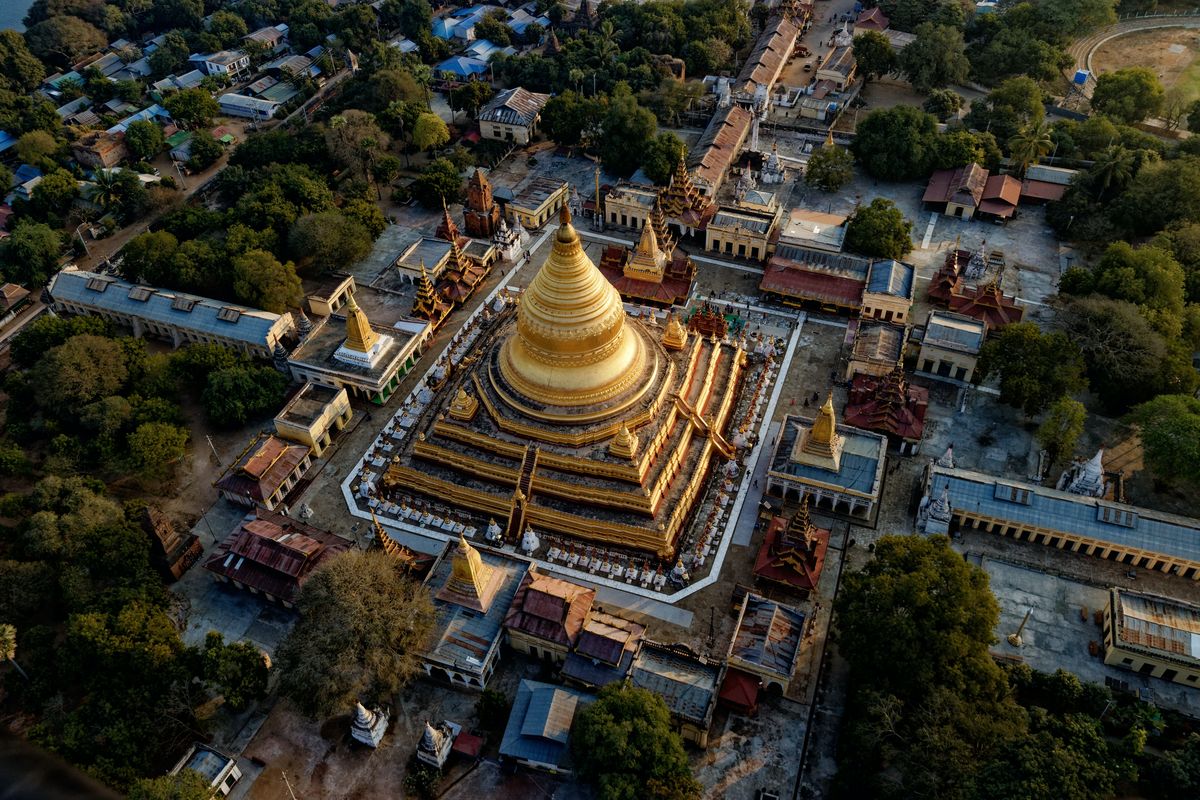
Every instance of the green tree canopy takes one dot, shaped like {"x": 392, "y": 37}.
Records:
{"x": 1148, "y": 277}
{"x": 661, "y": 155}
{"x": 935, "y": 58}
{"x": 1034, "y": 368}
{"x": 874, "y": 55}
{"x": 144, "y": 139}
{"x": 626, "y": 746}
{"x": 627, "y": 129}
{"x": 237, "y": 395}
{"x": 20, "y": 70}
{"x": 429, "y": 132}
{"x": 82, "y": 369}
{"x": 829, "y": 168}
{"x": 1008, "y": 109}
{"x": 943, "y": 104}
{"x": 204, "y": 151}
{"x": 186, "y": 785}
{"x": 238, "y": 669}
{"x": 1130, "y": 94}
{"x": 155, "y": 448}
{"x": 438, "y": 182}
{"x": 1061, "y": 427}
{"x": 192, "y": 108}
{"x": 32, "y": 253}
{"x": 879, "y": 229}
{"x": 62, "y": 40}
{"x": 328, "y": 240}
{"x": 363, "y": 625}
{"x": 261, "y": 281}
{"x": 896, "y": 144}
{"x": 1170, "y": 428}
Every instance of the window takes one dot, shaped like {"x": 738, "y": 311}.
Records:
{"x": 140, "y": 293}
{"x": 228, "y": 314}
{"x": 97, "y": 284}
{"x": 961, "y": 373}
{"x": 1012, "y": 494}
{"x": 182, "y": 303}
{"x": 927, "y": 366}
{"x": 1123, "y": 517}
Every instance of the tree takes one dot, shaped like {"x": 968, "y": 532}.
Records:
{"x": 943, "y": 103}
{"x": 144, "y": 139}
{"x": 412, "y": 17}
{"x": 1193, "y": 117}
{"x": 82, "y": 369}
{"x": 1128, "y": 362}
{"x": 1012, "y": 106}
{"x": 328, "y": 240}
{"x": 237, "y": 669}
{"x": 492, "y": 709}
{"x": 1061, "y": 427}
{"x": 1028, "y": 146}
{"x": 363, "y": 625}
{"x": 468, "y": 97}
{"x": 192, "y": 108}
{"x": 829, "y": 168}
{"x": 366, "y": 213}
{"x": 55, "y": 195}
{"x": 493, "y": 28}
{"x": 354, "y": 140}
{"x": 874, "y": 55}
{"x": 1162, "y": 193}
{"x": 62, "y": 40}
{"x": 20, "y": 70}
{"x": 187, "y": 784}
{"x": 8, "y": 647}
{"x": 439, "y": 182}
{"x": 31, "y": 254}
{"x": 37, "y": 148}
{"x": 1113, "y": 168}
{"x": 1035, "y": 368}
{"x": 203, "y": 151}
{"x": 626, "y": 130}
{"x": 259, "y": 280}
{"x": 171, "y": 56}
{"x": 569, "y": 116}
{"x": 661, "y": 155}
{"x": 879, "y": 230}
{"x": 228, "y": 27}
{"x": 429, "y": 132}
{"x": 236, "y": 395}
{"x": 896, "y": 144}
{"x": 625, "y": 744}
{"x": 1129, "y": 95}
{"x": 1170, "y": 430}
{"x": 935, "y": 58}
{"x": 155, "y": 448}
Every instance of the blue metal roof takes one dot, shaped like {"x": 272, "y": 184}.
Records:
{"x": 539, "y": 725}
{"x": 859, "y": 464}
{"x": 1077, "y": 515}
{"x": 891, "y": 277}
{"x": 200, "y": 314}
{"x": 464, "y": 67}
{"x": 7, "y": 140}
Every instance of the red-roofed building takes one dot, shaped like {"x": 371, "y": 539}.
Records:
{"x": 873, "y": 19}
{"x": 889, "y": 405}
{"x": 792, "y": 554}
{"x": 739, "y": 692}
{"x": 547, "y": 615}
{"x": 956, "y": 192}
{"x": 828, "y": 281}
{"x": 268, "y": 469}
{"x": 1001, "y": 194}
{"x": 273, "y": 555}
{"x": 948, "y": 280}
{"x": 988, "y": 304}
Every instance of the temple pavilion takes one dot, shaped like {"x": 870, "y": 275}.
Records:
{"x": 576, "y": 420}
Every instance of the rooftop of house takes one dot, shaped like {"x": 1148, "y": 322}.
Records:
{"x": 549, "y": 608}
{"x": 1162, "y": 626}
{"x": 688, "y": 683}
{"x": 308, "y": 404}
{"x": 954, "y": 331}
{"x": 263, "y": 468}
{"x": 890, "y": 277}
{"x": 539, "y": 725}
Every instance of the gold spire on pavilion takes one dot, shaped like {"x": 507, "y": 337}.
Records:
{"x": 472, "y": 584}
{"x": 821, "y": 445}
{"x": 647, "y": 261}
{"x": 674, "y": 334}
{"x": 359, "y": 335}
{"x": 624, "y": 444}
{"x": 463, "y": 406}
{"x": 572, "y": 346}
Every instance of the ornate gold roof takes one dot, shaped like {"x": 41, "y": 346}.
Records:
{"x": 472, "y": 584}
{"x": 674, "y": 334}
{"x": 572, "y": 346}
{"x": 821, "y": 445}
{"x": 359, "y": 335}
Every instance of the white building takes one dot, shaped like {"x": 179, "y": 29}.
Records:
{"x": 512, "y": 116}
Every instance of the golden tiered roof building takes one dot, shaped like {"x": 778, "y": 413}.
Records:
{"x": 576, "y": 419}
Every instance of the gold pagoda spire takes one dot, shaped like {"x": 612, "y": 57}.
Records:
{"x": 359, "y": 335}
{"x": 824, "y": 428}
{"x": 572, "y": 346}
{"x": 472, "y": 584}
{"x": 674, "y": 334}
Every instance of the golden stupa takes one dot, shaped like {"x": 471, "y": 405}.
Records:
{"x": 575, "y": 419}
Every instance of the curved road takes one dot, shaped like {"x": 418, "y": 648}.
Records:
{"x": 1081, "y": 50}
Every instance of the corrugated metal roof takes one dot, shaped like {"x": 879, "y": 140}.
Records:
{"x": 891, "y": 277}
{"x": 954, "y": 331}
{"x": 862, "y": 452}
{"x": 768, "y": 636}
{"x": 514, "y": 106}
{"x": 539, "y": 725}
{"x": 1158, "y": 623}
{"x": 688, "y": 686}
{"x": 463, "y": 637}
{"x": 200, "y": 314}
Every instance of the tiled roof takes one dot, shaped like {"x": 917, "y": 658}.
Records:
{"x": 1167, "y": 627}
{"x": 771, "y": 49}
{"x": 549, "y": 608}
{"x": 720, "y": 144}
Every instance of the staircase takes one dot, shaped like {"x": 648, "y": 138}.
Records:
{"x": 524, "y": 489}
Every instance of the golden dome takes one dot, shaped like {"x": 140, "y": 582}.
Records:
{"x": 572, "y": 346}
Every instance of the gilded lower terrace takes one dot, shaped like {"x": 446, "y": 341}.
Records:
{"x": 577, "y": 489}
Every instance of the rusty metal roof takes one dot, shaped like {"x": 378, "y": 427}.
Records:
{"x": 720, "y": 144}
{"x": 514, "y": 106}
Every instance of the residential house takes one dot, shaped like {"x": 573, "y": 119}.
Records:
{"x": 888, "y": 294}
{"x": 241, "y": 105}
{"x": 461, "y": 68}
{"x": 1043, "y": 184}
{"x": 687, "y": 682}
{"x": 767, "y": 641}
{"x": 313, "y": 416}
{"x": 538, "y": 733}
{"x": 839, "y": 67}
{"x": 512, "y": 116}
{"x": 230, "y": 63}
{"x": 100, "y": 150}
{"x": 951, "y": 344}
{"x": 956, "y": 192}
{"x": 273, "y": 37}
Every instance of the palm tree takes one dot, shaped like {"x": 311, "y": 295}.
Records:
{"x": 8, "y": 647}
{"x": 575, "y": 76}
{"x": 105, "y": 190}
{"x": 1028, "y": 146}
{"x": 1114, "y": 167}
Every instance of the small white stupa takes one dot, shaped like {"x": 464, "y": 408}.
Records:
{"x": 368, "y": 726}
{"x": 529, "y": 541}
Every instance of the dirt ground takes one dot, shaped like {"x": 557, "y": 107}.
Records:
{"x": 1171, "y": 53}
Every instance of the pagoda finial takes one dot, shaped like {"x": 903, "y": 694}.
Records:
{"x": 825, "y": 426}
{"x": 564, "y": 214}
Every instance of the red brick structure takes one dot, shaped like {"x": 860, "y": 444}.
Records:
{"x": 482, "y": 214}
